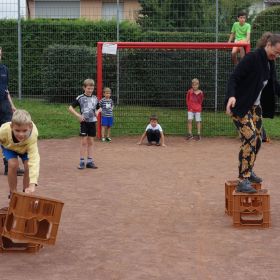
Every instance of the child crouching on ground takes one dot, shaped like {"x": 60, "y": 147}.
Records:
{"x": 18, "y": 138}
{"x": 153, "y": 132}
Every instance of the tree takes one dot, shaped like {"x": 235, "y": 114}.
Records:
{"x": 189, "y": 15}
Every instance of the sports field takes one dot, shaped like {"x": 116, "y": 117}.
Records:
{"x": 149, "y": 213}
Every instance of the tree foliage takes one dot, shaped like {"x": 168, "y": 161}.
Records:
{"x": 186, "y": 15}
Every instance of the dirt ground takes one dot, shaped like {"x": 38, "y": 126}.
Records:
{"x": 149, "y": 213}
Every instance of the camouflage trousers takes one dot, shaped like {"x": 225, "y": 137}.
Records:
{"x": 249, "y": 128}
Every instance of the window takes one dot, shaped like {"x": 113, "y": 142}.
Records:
{"x": 109, "y": 10}
{"x": 57, "y": 9}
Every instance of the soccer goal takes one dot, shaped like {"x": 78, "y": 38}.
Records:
{"x": 153, "y": 77}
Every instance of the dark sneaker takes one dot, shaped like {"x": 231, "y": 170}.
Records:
{"x": 189, "y": 137}
{"x": 91, "y": 165}
{"x": 82, "y": 165}
{"x": 198, "y": 137}
{"x": 245, "y": 187}
{"x": 108, "y": 139}
{"x": 149, "y": 144}
{"x": 157, "y": 144}
{"x": 20, "y": 172}
{"x": 254, "y": 178}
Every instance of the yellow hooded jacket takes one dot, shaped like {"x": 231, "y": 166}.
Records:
{"x": 28, "y": 146}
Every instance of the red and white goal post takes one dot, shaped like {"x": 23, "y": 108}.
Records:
{"x": 160, "y": 46}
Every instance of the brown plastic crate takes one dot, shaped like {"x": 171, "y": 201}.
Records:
{"x": 32, "y": 219}
{"x": 251, "y": 209}
{"x": 230, "y": 186}
{"x": 8, "y": 246}
{"x": 3, "y": 214}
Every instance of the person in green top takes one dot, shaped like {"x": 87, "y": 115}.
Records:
{"x": 240, "y": 32}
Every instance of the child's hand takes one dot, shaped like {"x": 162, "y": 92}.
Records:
{"x": 81, "y": 118}
{"x": 30, "y": 189}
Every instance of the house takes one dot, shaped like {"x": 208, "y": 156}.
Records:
{"x": 90, "y": 9}
{"x": 269, "y": 3}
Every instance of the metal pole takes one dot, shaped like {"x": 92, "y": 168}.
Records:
{"x": 118, "y": 57}
{"x": 216, "y": 58}
{"x": 19, "y": 53}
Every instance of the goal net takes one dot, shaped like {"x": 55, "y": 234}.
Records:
{"x": 153, "y": 78}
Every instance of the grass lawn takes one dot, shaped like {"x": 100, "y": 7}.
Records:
{"x": 54, "y": 120}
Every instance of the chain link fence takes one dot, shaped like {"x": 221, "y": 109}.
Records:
{"x": 50, "y": 48}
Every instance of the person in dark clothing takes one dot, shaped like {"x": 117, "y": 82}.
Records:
{"x": 250, "y": 96}
{"x": 6, "y": 105}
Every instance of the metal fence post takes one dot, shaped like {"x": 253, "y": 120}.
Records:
{"x": 19, "y": 54}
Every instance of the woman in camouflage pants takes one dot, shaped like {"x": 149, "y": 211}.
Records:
{"x": 250, "y": 96}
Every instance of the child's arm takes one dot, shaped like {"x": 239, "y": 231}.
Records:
{"x": 162, "y": 139}
{"x": 188, "y": 98}
{"x": 231, "y": 37}
{"x": 142, "y": 138}
{"x": 34, "y": 166}
{"x": 11, "y": 101}
{"x": 98, "y": 111}
{"x": 248, "y": 37}
{"x": 76, "y": 114}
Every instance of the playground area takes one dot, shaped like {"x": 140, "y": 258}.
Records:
{"x": 149, "y": 213}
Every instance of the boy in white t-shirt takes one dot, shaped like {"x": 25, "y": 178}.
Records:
{"x": 153, "y": 132}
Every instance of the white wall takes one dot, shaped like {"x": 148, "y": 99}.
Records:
{"x": 9, "y": 9}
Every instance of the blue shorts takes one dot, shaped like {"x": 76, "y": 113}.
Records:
{"x": 8, "y": 154}
{"x": 107, "y": 121}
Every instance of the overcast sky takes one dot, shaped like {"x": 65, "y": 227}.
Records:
{"x": 9, "y": 8}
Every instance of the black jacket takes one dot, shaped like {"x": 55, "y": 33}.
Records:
{"x": 246, "y": 82}
{"x": 5, "y": 106}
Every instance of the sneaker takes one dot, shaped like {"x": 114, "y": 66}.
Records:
{"x": 198, "y": 137}
{"x": 103, "y": 139}
{"x": 157, "y": 144}
{"x": 149, "y": 144}
{"x": 91, "y": 165}
{"x": 245, "y": 187}
{"x": 189, "y": 137}
{"x": 108, "y": 139}
{"x": 254, "y": 178}
{"x": 82, "y": 165}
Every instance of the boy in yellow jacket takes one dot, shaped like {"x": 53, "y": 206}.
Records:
{"x": 18, "y": 138}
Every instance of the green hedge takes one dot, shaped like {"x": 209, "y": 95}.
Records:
{"x": 64, "y": 70}
{"x": 46, "y": 70}
{"x": 39, "y": 34}
{"x": 267, "y": 20}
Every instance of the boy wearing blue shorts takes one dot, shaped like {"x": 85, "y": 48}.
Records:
{"x": 106, "y": 104}
{"x": 18, "y": 138}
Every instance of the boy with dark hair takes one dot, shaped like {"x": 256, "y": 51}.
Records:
{"x": 240, "y": 32}
{"x": 153, "y": 132}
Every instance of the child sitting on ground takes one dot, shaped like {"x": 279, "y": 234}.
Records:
{"x": 18, "y": 138}
{"x": 153, "y": 132}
